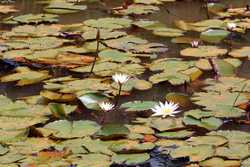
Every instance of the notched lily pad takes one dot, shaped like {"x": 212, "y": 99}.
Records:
{"x": 26, "y": 76}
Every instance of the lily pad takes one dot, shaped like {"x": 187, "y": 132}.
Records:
{"x": 111, "y": 131}
{"x": 195, "y": 153}
{"x": 138, "y": 105}
{"x": 109, "y": 23}
{"x": 210, "y": 123}
{"x": 135, "y": 9}
{"x": 130, "y": 146}
{"x": 166, "y": 124}
{"x": 32, "y": 18}
{"x": 91, "y": 101}
{"x": 176, "y": 134}
{"x": 63, "y": 7}
{"x": 210, "y": 140}
{"x": 219, "y": 162}
{"x": 214, "y": 36}
{"x": 204, "y": 51}
{"x": 25, "y": 76}
{"x": 130, "y": 159}
{"x": 75, "y": 129}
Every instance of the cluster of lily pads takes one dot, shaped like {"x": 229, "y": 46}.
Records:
{"x": 104, "y": 61}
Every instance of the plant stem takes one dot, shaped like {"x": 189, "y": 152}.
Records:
{"x": 119, "y": 94}
{"x": 211, "y": 62}
{"x": 242, "y": 89}
{"x": 97, "y": 50}
{"x": 206, "y": 7}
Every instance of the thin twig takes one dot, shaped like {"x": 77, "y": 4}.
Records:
{"x": 97, "y": 50}
{"x": 242, "y": 89}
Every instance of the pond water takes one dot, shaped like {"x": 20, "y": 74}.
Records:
{"x": 169, "y": 13}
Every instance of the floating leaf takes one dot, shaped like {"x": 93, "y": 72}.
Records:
{"x": 63, "y": 8}
{"x": 234, "y": 151}
{"x": 32, "y": 18}
{"x": 204, "y": 51}
{"x": 135, "y": 9}
{"x": 66, "y": 129}
{"x": 91, "y": 100}
{"x": 111, "y": 131}
{"x": 209, "y": 140}
{"x": 166, "y": 124}
{"x": 25, "y": 76}
{"x": 210, "y": 123}
{"x": 195, "y": 153}
{"x": 130, "y": 159}
{"x": 109, "y": 23}
{"x": 219, "y": 162}
{"x": 214, "y": 35}
{"x": 175, "y": 135}
{"x": 138, "y": 105}
{"x": 7, "y": 9}
{"x": 233, "y": 136}
{"x": 130, "y": 146}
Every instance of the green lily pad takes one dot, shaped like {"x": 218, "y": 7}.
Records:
{"x": 214, "y": 35}
{"x": 11, "y": 157}
{"x": 75, "y": 129}
{"x": 13, "y": 135}
{"x": 130, "y": 159}
{"x": 91, "y": 100}
{"x": 234, "y": 151}
{"x": 233, "y": 136}
{"x": 166, "y": 124}
{"x": 209, "y": 140}
{"x": 136, "y": 9}
{"x": 195, "y": 153}
{"x": 138, "y": 105}
{"x": 210, "y": 123}
{"x": 63, "y": 8}
{"x": 219, "y": 162}
{"x": 109, "y": 23}
{"x": 25, "y": 76}
{"x": 111, "y": 131}
{"x": 32, "y": 18}
{"x": 215, "y": 101}
{"x": 176, "y": 134}
{"x": 87, "y": 160}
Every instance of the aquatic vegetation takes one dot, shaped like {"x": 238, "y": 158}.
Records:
{"x": 165, "y": 109}
{"x": 124, "y": 83}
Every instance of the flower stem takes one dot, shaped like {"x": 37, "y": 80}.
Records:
{"x": 119, "y": 94}
{"x": 97, "y": 50}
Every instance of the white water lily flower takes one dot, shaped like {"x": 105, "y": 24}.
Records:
{"x": 167, "y": 109}
{"x": 106, "y": 106}
{"x": 195, "y": 44}
{"x": 120, "y": 78}
{"x": 231, "y": 26}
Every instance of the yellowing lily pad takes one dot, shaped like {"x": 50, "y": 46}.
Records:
{"x": 219, "y": 162}
{"x": 25, "y": 76}
{"x": 240, "y": 53}
{"x": 204, "y": 51}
